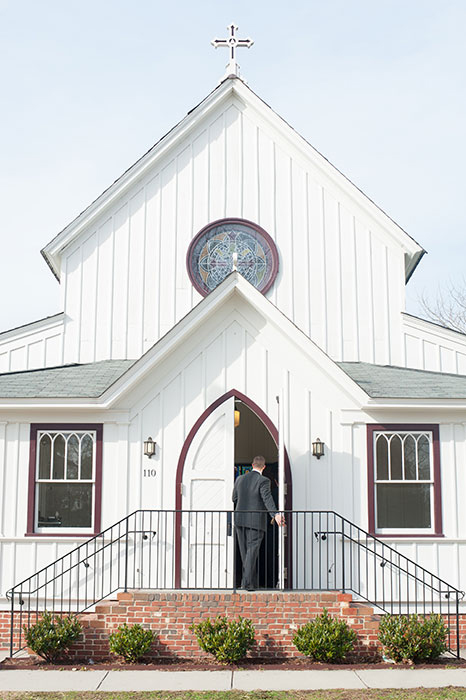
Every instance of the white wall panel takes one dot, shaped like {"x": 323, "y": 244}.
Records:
{"x": 431, "y": 347}
{"x": 32, "y": 346}
{"x": 184, "y": 227}
{"x": 120, "y": 283}
{"x": 380, "y": 301}
{"x": 18, "y": 359}
{"x": 233, "y": 162}
{"x": 104, "y": 301}
{"x": 364, "y": 293}
{"x": 88, "y": 312}
{"x": 135, "y": 330}
{"x": 152, "y": 264}
{"x": 168, "y": 248}
{"x": 73, "y": 291}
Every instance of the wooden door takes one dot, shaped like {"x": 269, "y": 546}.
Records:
{"x": 207, "y": 485}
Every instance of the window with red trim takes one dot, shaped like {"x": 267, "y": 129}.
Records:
{"x": 65, "y": 479}
{"x": 404, "y": 480}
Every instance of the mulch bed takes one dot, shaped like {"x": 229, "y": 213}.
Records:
{"x": 249, "y": 664}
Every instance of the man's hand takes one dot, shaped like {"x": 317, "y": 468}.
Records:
{"x": 280, "y": 519}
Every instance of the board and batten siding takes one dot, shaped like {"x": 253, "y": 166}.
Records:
{"x": 32, "y": 346}
{"x": 237, "y": 350}
{"x": 341, "y": 277}
{"x": 429, "y": 346}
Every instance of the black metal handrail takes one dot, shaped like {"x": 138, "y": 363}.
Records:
{"x": 169, "y": 549}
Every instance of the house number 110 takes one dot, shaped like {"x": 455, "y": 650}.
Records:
{"x": 149, "y": 472}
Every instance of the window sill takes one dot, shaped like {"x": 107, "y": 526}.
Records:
{"x": 402, "y": 535}
{"x": 53, "y": 535}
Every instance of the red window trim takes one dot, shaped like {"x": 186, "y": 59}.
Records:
{"x": 410, "y": 427}
{"x": 35, "y": 427}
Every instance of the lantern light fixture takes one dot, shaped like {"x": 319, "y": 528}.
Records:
{"x": 318, "y": 448}
{"x": 237, "y": 417}
{"x": 149, "y": 447}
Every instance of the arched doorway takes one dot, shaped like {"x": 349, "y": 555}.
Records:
{"x": 213, "y": 452}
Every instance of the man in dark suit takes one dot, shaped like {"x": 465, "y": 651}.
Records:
{"x": 252, "y": 499}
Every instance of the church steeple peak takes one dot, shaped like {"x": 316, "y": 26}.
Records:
{"x": 232, "y": 43}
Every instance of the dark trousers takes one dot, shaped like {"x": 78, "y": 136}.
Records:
{"x": 249, "y": 542}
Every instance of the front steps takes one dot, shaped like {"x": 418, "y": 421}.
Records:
{"x": 275, "y": 615}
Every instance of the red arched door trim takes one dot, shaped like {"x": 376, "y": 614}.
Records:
{"x": 187, "y": 443}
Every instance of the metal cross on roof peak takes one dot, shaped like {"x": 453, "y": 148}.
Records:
{"x": 232, "y": 43}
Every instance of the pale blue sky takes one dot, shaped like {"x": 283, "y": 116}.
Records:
{"x": 378, "y": 86}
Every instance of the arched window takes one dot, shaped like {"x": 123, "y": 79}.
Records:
{"x": 65, "y": 479}
{"x": 404, "y": 480}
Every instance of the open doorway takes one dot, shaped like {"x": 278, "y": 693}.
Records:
{"x": 252, "y": 438}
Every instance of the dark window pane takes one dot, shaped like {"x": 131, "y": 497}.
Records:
{"x": 72, "y": 460}
{"x": 58, "y": 457}
{"x": 87, "y": 450}
{"x": 65, "y": 505}
{"x": 403, "y": 505}
{"x": 382, "y": 457}
{"x": 45, "y": 451}
{"x": 410, "y": 457}
{"x": 395, "y": 458}
{"x": 423, "y": 449}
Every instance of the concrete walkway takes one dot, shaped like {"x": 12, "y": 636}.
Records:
{"x": 228, "y": 680}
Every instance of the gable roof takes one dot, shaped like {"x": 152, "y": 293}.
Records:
{"x": 230, "y": 86}
{"x": 389, "y": 382}
{"x": 70, "y": 381}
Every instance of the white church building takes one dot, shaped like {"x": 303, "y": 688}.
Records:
{"x": 232, "y": 265}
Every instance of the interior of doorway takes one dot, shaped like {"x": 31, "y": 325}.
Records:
{"x": 252, "y": 438}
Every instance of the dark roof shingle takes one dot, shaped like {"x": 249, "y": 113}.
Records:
{"x": 388, "y": 382}
{"x": 68, "y": 381}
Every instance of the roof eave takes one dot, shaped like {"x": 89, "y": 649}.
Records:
{"x": 412, "y": 262}
{"x": 410, "y": 404}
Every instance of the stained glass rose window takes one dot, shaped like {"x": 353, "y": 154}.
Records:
{"x": 210, "y": 255}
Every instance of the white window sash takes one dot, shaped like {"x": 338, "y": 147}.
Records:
{"x": 66, "y": 434}
{"x": 405, "y": 482}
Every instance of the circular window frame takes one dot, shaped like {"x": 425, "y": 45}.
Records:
{"x": 224, "y": 222}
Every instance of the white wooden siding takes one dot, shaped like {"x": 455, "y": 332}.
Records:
{"x": 341, "y": 277}
{"x": 33, "y": 346}
{"x": 234, "y": 349}
{"x": 431, "y": 347}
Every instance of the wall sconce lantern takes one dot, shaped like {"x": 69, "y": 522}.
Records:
{"x": 318, "y": 448}
{"x": 237, "y": 417}
{"x": 149, "y": 447}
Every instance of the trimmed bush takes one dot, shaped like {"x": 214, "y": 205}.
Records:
{"x": 227, "y": 640}
{"x": 412, "y": 637}
{"x": 325, "y": 638}
{"x": 131, "y": 642}
{"x": 52, "y": 635}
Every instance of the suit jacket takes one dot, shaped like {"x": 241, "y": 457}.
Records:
{"x": 252, "y": 493}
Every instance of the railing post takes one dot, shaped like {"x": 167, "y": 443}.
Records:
{"x": 457, "y": 625}
{"x": 343, "y": 555}
{"x": 12, "y": 621}
{"x": 126, "y": 556}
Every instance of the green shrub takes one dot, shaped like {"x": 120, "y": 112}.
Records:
{"x": 227, "y": 640}
{"x": 325, "y": 638}
{"x": 52, "y": 635}
{"x": 412, "y": 638}
{"x": 131, "y": 642}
